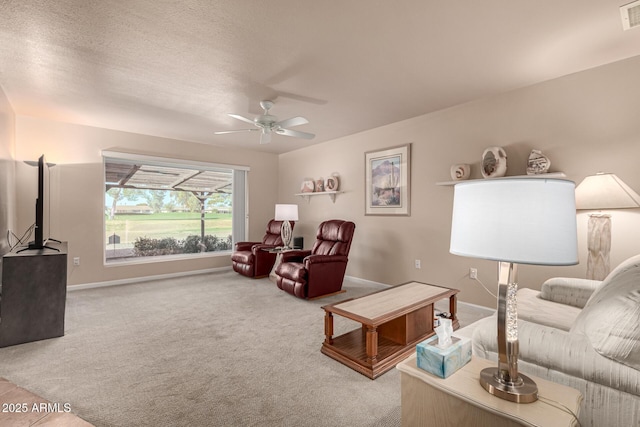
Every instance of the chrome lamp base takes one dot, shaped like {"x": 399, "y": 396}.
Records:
{"x": 523, "y": 390}
{"x": 504, "y": 381}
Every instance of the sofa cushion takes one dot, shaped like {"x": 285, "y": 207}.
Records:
{"x": 292, "y": 270}
{"x": 611, "y": 317}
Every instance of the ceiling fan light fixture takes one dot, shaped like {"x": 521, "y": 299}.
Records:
{"x": 265, "y": 136}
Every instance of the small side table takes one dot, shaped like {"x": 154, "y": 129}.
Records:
{"x": 278, "y": 252}
{"x": 460, "y": 400}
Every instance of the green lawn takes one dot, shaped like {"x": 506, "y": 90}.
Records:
{"x": 175, "y": 224}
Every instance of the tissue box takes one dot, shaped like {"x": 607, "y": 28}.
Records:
{"x": 443, "y": 361}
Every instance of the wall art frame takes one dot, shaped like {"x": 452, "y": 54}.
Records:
{"x": 388, "y": 181}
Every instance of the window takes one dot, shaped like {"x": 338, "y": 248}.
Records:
{"x": 156, "y": 207}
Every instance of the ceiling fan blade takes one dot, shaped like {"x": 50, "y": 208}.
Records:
{"x": 293, "y": 121}
{"x": 265, "y": 137}
{"x": 239, "y": 117}
{"x": 234, "y": 131}
{"x": 295, "y": 133}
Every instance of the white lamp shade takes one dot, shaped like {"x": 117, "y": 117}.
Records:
{"x": 605, "y": 191}
{"x": 520, "y": 220}
{"x": 286, "y": 213}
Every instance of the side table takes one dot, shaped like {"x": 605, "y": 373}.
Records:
{"x": 278, "y": 261}
{"x": 460, "y": 400}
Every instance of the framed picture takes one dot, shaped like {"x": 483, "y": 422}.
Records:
{"x": 387, "y": 186}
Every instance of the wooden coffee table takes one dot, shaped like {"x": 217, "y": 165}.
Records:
{"x": 393, "y": 321}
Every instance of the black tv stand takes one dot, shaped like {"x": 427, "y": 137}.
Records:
{"x": 34, "y": 293}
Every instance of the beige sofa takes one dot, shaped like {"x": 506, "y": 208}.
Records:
{"x": 584, "y": 334}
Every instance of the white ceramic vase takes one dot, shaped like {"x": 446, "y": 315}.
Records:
{"x": 494, "y": 162}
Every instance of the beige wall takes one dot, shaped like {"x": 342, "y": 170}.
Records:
{"x": 77, "y": 190}
{"x": 7, "y": 171}
{"x": 585, "y": 123}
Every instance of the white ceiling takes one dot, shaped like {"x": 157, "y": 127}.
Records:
{"x": 176, "y": 68}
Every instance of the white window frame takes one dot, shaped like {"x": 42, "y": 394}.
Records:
{"x": 239, "y": 221}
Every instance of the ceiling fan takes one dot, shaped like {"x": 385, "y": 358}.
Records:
{"x": 268, "y": 124}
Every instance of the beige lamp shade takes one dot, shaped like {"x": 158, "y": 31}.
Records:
{"x": 286, "y": 213}
{"x": 605, "y": 191}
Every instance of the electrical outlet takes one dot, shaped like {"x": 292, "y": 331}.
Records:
{"x": 418, "y": 263}
{"x": 76, "y": 260}
{"x": 473, "y": 273}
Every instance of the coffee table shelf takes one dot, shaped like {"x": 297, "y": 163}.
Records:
{"x": 393, "y": 322}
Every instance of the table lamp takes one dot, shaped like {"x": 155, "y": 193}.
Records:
{"x": 514, "y": 221}
{"x": 286, "y": 213}
{"x": 602, "y": 191}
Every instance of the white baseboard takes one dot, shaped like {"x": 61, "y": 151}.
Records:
{"x": 144, "y": 279}
{"x": 477, "y": 307}
{"x": 365, "y": 281}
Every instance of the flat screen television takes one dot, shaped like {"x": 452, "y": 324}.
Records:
{"x": 41, "y": 231}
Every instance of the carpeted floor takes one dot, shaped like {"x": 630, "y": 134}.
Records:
{"x": 207, "y": 350}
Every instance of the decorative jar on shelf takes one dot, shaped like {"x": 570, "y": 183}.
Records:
{"x": 494, "y": 162}
{"x": 538, "y": 163}
{"x": 460, "y": 171}
{"x": 332, "y": 183}
{"x": 308, "y": 186}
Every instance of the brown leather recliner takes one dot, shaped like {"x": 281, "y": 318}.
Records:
{"x": 249, "y": 258}
{"x": 319, "y": 271}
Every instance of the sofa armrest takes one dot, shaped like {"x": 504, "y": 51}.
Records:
{"x": 257, "y": 247}
{"x": 323, "y": 259}
{"x": 559, "y": 351}
{"x": 296, "y": 255}
{"x": 569, "y": 290}
{"x": 244, "y": 246}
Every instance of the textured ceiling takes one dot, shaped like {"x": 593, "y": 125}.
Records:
{"x": 176, "y": 68}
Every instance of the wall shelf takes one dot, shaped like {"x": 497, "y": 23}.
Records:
{"x": 331, "y": 194}
{"x": 552, "y": 175}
